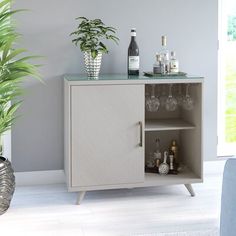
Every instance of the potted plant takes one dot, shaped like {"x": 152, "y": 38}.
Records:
{"x": 14, "y": 68}
{"x": 90, "y": 35}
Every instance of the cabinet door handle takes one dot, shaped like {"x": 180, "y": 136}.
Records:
{"x": 141, "y": 133}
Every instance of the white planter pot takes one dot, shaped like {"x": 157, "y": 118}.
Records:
{"x": 92, "y": 65}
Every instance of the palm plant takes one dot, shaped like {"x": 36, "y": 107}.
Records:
{"x": 14, "y": 68}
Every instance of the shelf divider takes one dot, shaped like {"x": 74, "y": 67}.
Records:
{"x": 167, "y": 124}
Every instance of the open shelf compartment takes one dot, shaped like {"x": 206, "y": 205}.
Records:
{"x": 184, "y": 126}
{"x": 185, "y": 177}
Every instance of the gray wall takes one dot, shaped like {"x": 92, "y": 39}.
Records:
{"x": 191, "y": 27}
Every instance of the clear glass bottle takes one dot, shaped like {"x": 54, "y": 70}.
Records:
{"x": 164, "y": 53}
{"x": 166, "y": 64}
{"x": 150, "y": 161}
{"x": 174, "y": 64}
{"x": 157, "y": 153}
{"x": 157, "y": 64}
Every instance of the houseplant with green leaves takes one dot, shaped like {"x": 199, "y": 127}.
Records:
{"x": 91, "y": 36}
{"x": 14, "y": 69}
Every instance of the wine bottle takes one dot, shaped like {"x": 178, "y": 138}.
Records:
{"x": 133, "y": 55}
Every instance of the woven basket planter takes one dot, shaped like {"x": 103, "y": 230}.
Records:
{"x": 7, "y": 184}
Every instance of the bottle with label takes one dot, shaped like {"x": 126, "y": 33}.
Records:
{"x": 158, "y": 66}
{"x": 133, "y": 55}
{"x": 173, "y": 169}
{"x": 164, "y": 53}
{"x": 174, "y": 148}
{"x": 166, "y": 64}
{"x": 174, "y": 64}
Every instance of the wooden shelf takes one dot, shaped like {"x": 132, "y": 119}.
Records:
{"x": 152, "y": 179}
{"x": 167, "y": 124}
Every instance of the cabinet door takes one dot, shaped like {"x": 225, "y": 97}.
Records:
{"x": 106, "y": 135}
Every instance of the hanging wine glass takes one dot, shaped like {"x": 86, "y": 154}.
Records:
{"x": 163, "y": 96}
{"x": 188, "y": 102}
{"x": 171, "y": 102}
{"x": 152, "y": 102}
{"x": 179, "y": 96}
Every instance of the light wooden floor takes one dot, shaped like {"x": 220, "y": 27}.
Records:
{"x": 50, "y": 210}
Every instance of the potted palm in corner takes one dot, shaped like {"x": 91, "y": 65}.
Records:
{"x": 90, "y": 34}
{"x": 14, "y": 68}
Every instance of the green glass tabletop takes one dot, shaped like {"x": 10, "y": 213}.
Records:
{"x": 114, "y": 77}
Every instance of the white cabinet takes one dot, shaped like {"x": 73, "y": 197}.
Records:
{"x": 108, "y": 133}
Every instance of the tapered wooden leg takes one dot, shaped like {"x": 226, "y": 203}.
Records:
{"x": 80, "y": 197}
{"x": 190, "y": 189}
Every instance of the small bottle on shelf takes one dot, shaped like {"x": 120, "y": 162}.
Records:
{"x": 174, "y": 64}
{"x": 133, "y": 55}
{"x": 173, "y": 169}
{"x": 157, "y": 153}
{"x": 151, "y": 161}
{"x": 174, "y": 148}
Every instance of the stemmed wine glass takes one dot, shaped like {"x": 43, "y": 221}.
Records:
{"x": 171, "y": 102}
{"x": 188, "y": 102}
{"x": 163, "y": 95}
{"x": 180, "y": 96}
{"x": 152, "y": 102}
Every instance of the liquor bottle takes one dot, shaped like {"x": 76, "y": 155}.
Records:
{"x": 174, "y": 148}
{"x": 157, "y": 153}
{"x": 164, "y": 53}
{"x": 158, "y": 66}
{"x": 174, "y": 63}
{"x": 173, "y": 169}
{"x": 166, "y": 64}
{"x": 151, "y": 161}
{"x": 133, "y": 55}
{"x": 171, "y": 157}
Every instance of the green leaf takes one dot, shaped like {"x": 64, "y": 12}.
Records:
{"x": 12, "y": 54}
{"x": 90, "y": 33}
{"x": 14, "y": 67}
{"x": 94, "y": 53}
{"x": 81, "y": 18}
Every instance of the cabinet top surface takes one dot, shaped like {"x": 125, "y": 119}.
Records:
{"x": 124, "y": 78}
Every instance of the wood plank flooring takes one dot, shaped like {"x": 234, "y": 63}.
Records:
{"x": 51, "y": 210}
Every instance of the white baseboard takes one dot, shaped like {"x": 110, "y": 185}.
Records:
{"x": 40, "y": 177}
